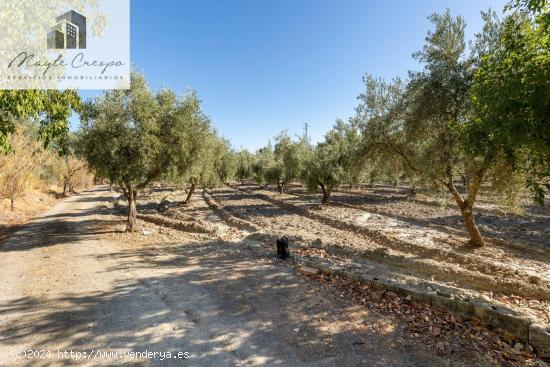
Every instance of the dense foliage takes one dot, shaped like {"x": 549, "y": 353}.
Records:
{"x": 146, "y": 137}
{"x": 511, "y": 94}
{"x": 50, "y": 108}
{"x": 472, "y": 117}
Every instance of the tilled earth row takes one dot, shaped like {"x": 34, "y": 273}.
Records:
{"x": 395, "y": 211}
{"x": 439, "y": 331}
{"x": 531, "y": 227}
{"x": 474, "y": 273}
{"x": 524, "y": 266}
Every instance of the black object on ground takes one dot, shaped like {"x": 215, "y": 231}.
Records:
{"x": 282, "y": 248}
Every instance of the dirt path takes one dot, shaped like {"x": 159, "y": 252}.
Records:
{"x": 70, "y": 281}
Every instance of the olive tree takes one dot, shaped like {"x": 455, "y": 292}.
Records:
{"x": 348, "y": 136}
{"x": 134, "y": 137}
{"x": 449, "y": 120}
{"x": 511, "y": 95}
{"x": 424, "y": 122}
{"x": 190, "y": 141}
{"x": 243, "y": 165}
{"x": 384, "y": 151}
{"x": 325, "y": 166}
{"x": 437, "y": 110}
{"x": 213, "y": 166}
{"x": 264, "y": 160}
{"x": 224, "y": 160}
{"x": 288, "y": 161}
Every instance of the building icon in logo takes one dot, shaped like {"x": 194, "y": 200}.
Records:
{"x": 70, "y": 31}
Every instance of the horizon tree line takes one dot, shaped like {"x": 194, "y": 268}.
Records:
{"x": 474, "y": 115}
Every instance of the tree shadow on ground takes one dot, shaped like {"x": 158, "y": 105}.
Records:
{"x": 58, "y": 227}
{"x": 221, "y": 304}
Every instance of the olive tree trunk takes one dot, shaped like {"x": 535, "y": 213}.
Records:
{"x": 190, "y": 193}
{"x": 326, "y": 193}
{"x": 466, "y": 206}
{"x": 412, "y": 192}
{"x": 131, "y": 195}
{"x": 471, "y": 227}
{"x": 132, "y": 214}
{"x": 281, "y": 186}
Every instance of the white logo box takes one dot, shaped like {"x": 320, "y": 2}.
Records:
{"x": 65, "y": 44}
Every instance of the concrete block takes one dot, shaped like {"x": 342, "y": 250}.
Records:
{"x": 463, "y": 308}
{"x": 539, "y": 338}
{"x": 419, "y": 297}
{"x": 306, "y": 270}
{"x": 510, "y": 322}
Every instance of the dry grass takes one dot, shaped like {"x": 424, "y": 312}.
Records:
{"x": 35, "y": 201}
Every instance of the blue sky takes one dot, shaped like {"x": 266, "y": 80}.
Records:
{"x": 261, "y": 66}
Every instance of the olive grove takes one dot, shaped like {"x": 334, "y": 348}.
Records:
{"x": 145, "y": 137}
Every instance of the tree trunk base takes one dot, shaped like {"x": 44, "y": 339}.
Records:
{"x": 475, "y": 236}
{"x": 132, "y": 212}
{"x": 475, "y": 244}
